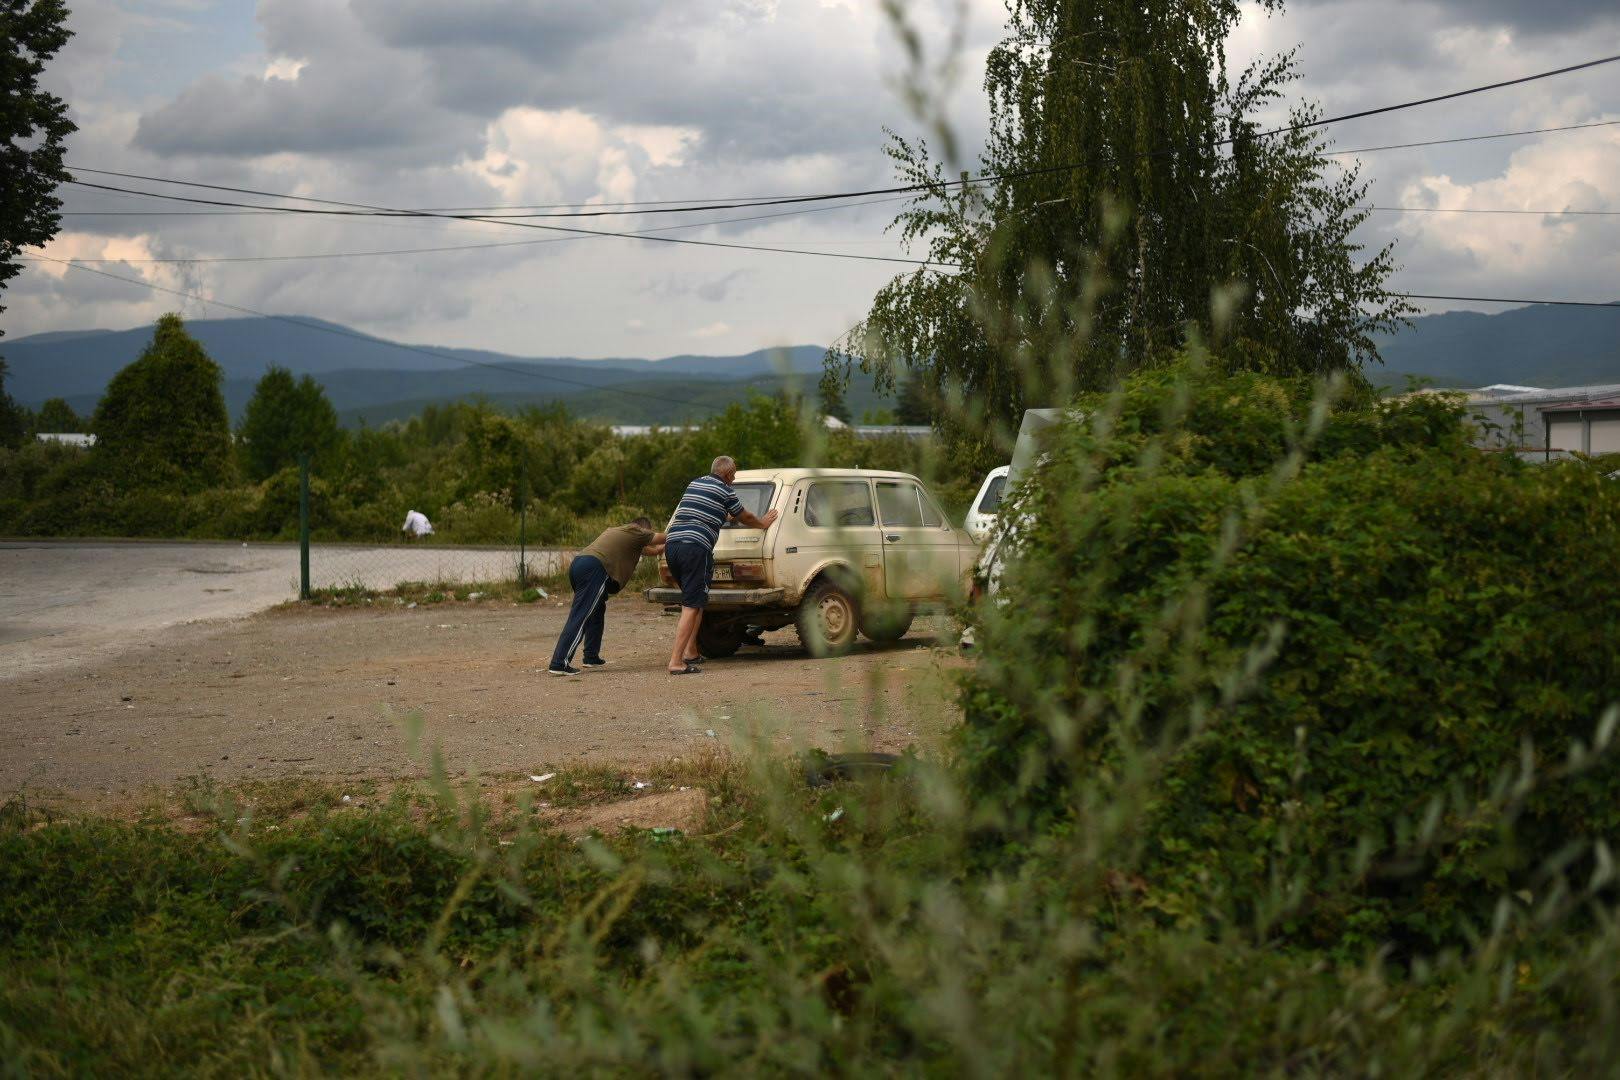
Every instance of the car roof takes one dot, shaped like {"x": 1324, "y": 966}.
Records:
{"x": 793, "y": 475}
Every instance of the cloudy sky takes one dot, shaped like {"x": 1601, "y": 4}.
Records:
{"x": 422, "y": 103}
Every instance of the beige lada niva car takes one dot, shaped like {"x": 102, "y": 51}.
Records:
{"x": 852, "y": 550}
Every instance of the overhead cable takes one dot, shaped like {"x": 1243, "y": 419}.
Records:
{"x": 927, "y": 264}
{"x": 1471, "y": 138}
{"x": 1612, "y": 304}
{"x": 497, "y": 244}
{"x": 909, "y": 188}
{"x": 1490, "y": 210}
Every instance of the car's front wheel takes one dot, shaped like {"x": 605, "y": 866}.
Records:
{"x": 828, "y": 620}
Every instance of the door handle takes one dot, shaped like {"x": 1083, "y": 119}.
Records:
{"x": 893, "y": 538}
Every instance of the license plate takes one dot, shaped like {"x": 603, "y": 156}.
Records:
{"x": 722, "y": 573}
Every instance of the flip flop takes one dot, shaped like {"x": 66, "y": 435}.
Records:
{"x": 690, "y": 669}
{"x": 692, "y": 660}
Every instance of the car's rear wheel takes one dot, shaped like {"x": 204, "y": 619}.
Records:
{"x": 828, "y": 620}
{"x": 716, "y": 640}
{"x": 891, "y": 625}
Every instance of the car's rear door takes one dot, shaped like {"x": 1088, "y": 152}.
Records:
{"x": 737, "y": 542}
{"x": 921, "y": 559}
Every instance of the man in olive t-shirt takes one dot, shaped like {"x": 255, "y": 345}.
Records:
{"x": 600, "y": 569}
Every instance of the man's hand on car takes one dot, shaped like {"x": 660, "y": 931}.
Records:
{"x": 750, "y": 520}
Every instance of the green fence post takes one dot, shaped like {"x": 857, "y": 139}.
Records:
{"x": 523, "y": 522}
{"x": 303, "y": 526}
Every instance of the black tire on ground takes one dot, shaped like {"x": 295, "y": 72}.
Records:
{"x": 827, "y": 620}
{"x": 885, "y": 625}
{"x": 720, "y": 639}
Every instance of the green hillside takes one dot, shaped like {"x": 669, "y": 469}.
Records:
{"x": 670, "y": 402}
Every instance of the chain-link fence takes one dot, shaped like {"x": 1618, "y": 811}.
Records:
{"x": 478, "y": 545}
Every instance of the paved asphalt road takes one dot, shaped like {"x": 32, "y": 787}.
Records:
{"x": 65, "y": 602}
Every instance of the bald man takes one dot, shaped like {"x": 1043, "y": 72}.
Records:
{"x": 708, "y": 503}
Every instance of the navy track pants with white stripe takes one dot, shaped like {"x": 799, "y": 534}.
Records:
{"x": 592, "y": 587}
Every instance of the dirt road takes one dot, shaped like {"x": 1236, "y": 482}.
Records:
{"x": 64, "y": 603}
{"x": 328, "y": 692}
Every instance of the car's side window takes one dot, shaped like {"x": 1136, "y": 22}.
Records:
{"x": 931, "y": 517}
{"x": 898, "y": 505}
{"x": 838, "y": 504}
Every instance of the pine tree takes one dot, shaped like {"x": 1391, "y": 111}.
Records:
{"x": 914, "y": 404}
{"x": 285, "y": 418}
{"x": 57, "y": 415}
{"x": 162, "y": 421}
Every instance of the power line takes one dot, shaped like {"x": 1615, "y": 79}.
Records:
{"x": 498, "y": 244}
{"x": 1612, "y": 305}
{"x": 1472, "y": 138}
{"x": 1488, "y": 210}
{"x": 477, "y": 213}
{"x": 1381, "y": 110}
{"x": 752, "y": 217}
{"x": 927, "y": 264}
{"x": 770, "y": 200}
{"x": 341, "y": 332}
{"x": 895, "y": 190}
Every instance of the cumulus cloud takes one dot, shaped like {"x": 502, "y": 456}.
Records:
{"x": 1544, "y": 18}
{"x": 735, "y": 80}
{"x": 1558, "y": 253}
{"x": 519, "y": 102}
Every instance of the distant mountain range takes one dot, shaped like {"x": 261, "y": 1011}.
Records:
{"x": 1540, "y": 345}
{"x": 374, "y": 380}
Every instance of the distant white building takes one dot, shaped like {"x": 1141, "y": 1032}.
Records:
{"x": 831, "y": 423}
{"x": 633, "y": 430}
{"x": 1585, "y": 427}
{"x": 1518, "y": 416}
{"x": 66, "y": 438}
{"x": 872, "y": 431}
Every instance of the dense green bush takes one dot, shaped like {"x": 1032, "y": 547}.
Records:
{"x": 467, "y": 467}
{"x": 1327, "y": 640}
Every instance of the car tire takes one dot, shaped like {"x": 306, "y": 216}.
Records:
{"x": 718, "y": 641}
{"x": 827, "y": 620}
{"x": 885, "y": 625}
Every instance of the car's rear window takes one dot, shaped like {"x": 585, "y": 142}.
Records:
{"x": 756, "y": 496}
{"x": 992, "y": 495}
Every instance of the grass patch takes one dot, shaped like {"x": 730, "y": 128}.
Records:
{"x": 388, "y": 927}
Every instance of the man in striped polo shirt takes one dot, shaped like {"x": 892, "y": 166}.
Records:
{"x": 709, "y": 502}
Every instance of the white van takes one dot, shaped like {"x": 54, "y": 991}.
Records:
{"x": 981, "y": 516}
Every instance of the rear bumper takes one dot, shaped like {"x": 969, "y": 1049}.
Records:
{"x": 724, "y": 598}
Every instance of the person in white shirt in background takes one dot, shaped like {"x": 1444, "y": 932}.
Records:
{"x": 416, "y": 524}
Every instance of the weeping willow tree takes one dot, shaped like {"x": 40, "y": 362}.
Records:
{"x": 1135, "y": 200}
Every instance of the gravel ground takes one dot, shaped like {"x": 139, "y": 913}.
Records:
{"x": 333, "y": 693}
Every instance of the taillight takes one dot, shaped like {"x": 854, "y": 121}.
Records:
{"x": 663, "y": 572}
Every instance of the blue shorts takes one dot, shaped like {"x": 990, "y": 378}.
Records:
{"x": 692, "y": 565}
